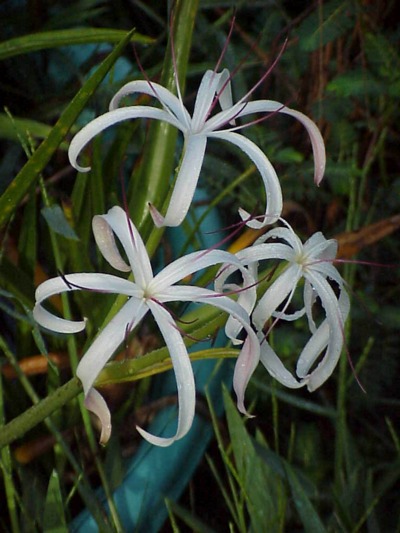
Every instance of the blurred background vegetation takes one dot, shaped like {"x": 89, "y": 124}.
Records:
{"x": 329, "y": 461}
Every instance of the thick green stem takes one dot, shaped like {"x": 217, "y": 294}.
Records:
{"x": 39, "y": 412}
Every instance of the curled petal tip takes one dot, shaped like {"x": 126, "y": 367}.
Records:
{"x": 105, "y": 434}
{"x": 242, "y": 409}
{"x": 319, "y": 173}
{"x": 96, "y": 404}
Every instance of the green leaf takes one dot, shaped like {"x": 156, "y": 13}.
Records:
{"x": 355, "y": 83}
{"x": 193, "y": 522}
{"x": 325, "y": 24}
{"x": 57, "y": 222}
{"x": 54, "y": 517}
{"x": 266, "y": 507}
{"x": 17, "y": 129}
{"x": 29, "y": 173}
{"x": 308, "y": 515}
{"x": 75, "y": 36}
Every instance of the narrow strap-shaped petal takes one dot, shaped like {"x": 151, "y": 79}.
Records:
{"x": 336, "y": 315}
{"x": 210, "y": 83}
{"x": 224, "y": 91}
{"x": 104, "y": 237}
{"x": 272, "y": 186}
{"x": 287, "y": 234}
{"x": 132, "y": 243}
{"x": 186, "y": 182}
{"x": 99, "y": 124}
{"x": 73, "y": 282}
{"x": 277, "y": 369}
{"x": 250, "y": 352}
{"x": 309, "y": 297}
{"x": 191, "y": 263}
{"x": 108, "y": 340}
{"x": 183, "y": 374}
{"x": 319, "y": 247}
{"x": 190, "y": 293}
{"x": 312, "y": 350}
{"x": 317, "y": 142}
{"x": 245, "y": 366}
{"x": 168, "y": 100}
{"x": 276, "y": 294}
{"x": 264, "y": 251}
{"x": 95, "y": 403}
{"x": 55, "y": 323}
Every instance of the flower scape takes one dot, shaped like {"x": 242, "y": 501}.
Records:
{"x": 252, "y": 312}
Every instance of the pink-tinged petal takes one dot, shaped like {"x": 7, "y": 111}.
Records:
{"x": 157, "y": 217}
{"x": 108, "y": 340}
{"x": 132, "y": 243}
{"x": 74, "y": 282}
{"x": 183, "y": 374}
{"x": 246, "y": 363}
{"x": 249, "y": 355}
{"x": 95, "y": 403}
{"x": 104, "y": 237}
{"x": 272, "y": 186}
{"x": 168, "y": 100}
{"x": 186, "y": 181}
{"x": 317, "y": 142}
{"x": 277, "y": 369}
{"x": 99, "y": 124}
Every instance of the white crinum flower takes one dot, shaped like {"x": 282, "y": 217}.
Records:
{"x": 197, "y": 129}
{"x": 146, "y": 293}
{"x": 312, "y": 263}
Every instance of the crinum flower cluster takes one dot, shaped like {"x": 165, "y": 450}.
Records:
{"x": 251, "y": 316}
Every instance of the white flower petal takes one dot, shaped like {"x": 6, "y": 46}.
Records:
{"x": 250, "y": 353}
{"x": 277, "y": 369}
{"x": 191, "y": 263}
{"x": 264, "y": 251}
{"x": 96, "y": 404}
{"x": 183, "y": 374}
{"x": 108, "y": 340}
{"x": 132, "y": 243}
{"x": 99, "y": 124}
{"x": 169, "y": 101}
{"x": 55, "y": 323}
{"x": 225, "y": 97}
{"x": 336, "y": 315}
{"x": 74, "y": 282}
{"x": 317, "y": 142}
{"x": 186, "y": 181}
{"x": 246, "y": 363}
{"x": 104, "y": 237}
{"x": 276, "y": 293}
{"x": 318, "y": 246}
{"x": 272, "y": 186}
{"x": 209, "y": 86}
